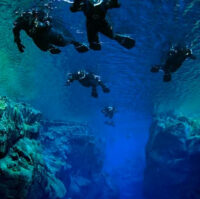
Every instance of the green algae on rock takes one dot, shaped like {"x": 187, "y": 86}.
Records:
{"x": 16, "y": 121}
{"x": 23, "y": 172}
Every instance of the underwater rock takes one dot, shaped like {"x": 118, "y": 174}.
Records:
{"x": 23, "y": 172}
{"x": 75, "y": 157}
{"x": 16, "y": 121}
{"x": 17, "y": 168}
{"x": 173, "y": 158}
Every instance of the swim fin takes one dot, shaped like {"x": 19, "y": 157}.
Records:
{"x": 125, "y": 41}
{"x": 167, "y": 77}
{"x": 80, "y": 47}
{"x": 54, "y": 50}
{"x": 106, "y": 90}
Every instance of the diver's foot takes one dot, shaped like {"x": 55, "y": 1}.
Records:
{"x": 81, "y": 48}
{"x": 54, "y": 50}
{"x": 95, "y": 46}
{"x": 106, "y": 90}
{"x": 125, "y": 41}
{"x": 155, "y": 69}
{"x": 94, "y": 94}
{"x": 167, "y": 77}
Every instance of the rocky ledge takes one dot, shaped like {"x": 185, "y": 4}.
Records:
{"x": 23, "y": 173}
{"x": 76, "y": 157}
{"x": 173, "y": 158}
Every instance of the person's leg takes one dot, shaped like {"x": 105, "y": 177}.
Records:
{"x": 106, "y": 29}
{"x": 42, "y": 42}
{"x": 56, "y": 38}
{"x": 92, "y": 34}
{"x": 167, "y": 73}
{"x": 59, "y": 39}
{"x": 94, "y": 92}
{"x": 104, "y": 88}
{"x": 167, "y": 77}
{"x": 123, "y": 40}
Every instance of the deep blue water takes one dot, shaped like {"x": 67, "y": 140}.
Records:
{"x": 38, "y": 78}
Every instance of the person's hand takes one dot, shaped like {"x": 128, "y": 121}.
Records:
{"x": 54, "y": 50}
{"x": 21, "y": 47}
{"x": 68, "y": 83}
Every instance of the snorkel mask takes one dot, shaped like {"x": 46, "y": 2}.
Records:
{"x": 81, "y": 74}
{"x": 96, "y": 2}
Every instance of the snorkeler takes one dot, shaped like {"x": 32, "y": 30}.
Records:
{"x": 175, "y": 58}
{"x": 88, "y": 80}
{"x": 95, "y": 12}
{"x": 38, "y": 25}
{"x": 109, "y": 111}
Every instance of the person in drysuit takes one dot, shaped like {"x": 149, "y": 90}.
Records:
{"x": 96, "y": 21}
{"x": 109, "y": 111}
{"x": 88, "y": 80}
{"x": 38, "y": 25}
{"x": 175, "y": 58}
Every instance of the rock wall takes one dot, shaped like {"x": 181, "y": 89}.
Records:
{"x": 173, "y": 158}
{"x": 74, "y": 156}
{"x": 49, "y": 159}
{"x": 23, "y": 173}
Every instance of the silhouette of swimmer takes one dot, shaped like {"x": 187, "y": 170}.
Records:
{"x": 95, "y": 12}
{"x": 38, "y": 25}
{"x": 88, "y": 80}
{"x": 109, "y": 111}
{"x": 175, "y": 58}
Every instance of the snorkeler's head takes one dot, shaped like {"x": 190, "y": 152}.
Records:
{"x": 81, "y": 74}
{"x": 35, "y": 12}
{"x": 95, "y": 2}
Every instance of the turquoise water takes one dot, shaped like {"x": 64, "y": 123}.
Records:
{"x": 38, "y": 78}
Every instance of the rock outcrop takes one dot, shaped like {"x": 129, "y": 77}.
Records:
{"x": 32, "y": 153}
{"x": 23, "y": 173}
{"x": 16, "y": 121}
{"x": 74, "y": 156}
{"x": 173, "y": 158}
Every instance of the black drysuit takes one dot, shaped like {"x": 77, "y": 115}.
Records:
{"x": 88, "y": 80}
{"x": 96, "y": 22}
{"x": 38, "y": 26}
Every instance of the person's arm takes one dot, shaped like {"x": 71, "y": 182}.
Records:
{"x": 18, "y": 26}
{"x": 191, "y": 55}
{"x": 71, "y": 78}
{"x": 112, "y": 4}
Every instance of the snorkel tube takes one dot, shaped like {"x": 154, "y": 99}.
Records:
{"x": 96, "y": 2}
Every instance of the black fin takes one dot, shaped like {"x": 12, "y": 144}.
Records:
{"x": 125, "y": 41}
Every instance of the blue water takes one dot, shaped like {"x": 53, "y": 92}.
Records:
{"x": 38, "y": 78}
